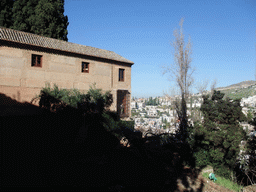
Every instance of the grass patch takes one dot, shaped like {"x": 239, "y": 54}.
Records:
{"x": 225, "y": 182}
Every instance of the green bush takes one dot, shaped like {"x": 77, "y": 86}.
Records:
{"x": 93, "y": 105}
{"x": 111, "y": 121}
{"x": 223, "y": 171}
{"x": 128, "y": 125}
{"x": 202, "y": 158}
{"x": 118, "y": 127}
{"x": 93, "y": 101}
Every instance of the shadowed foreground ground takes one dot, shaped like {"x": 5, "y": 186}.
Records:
{"x": 40, "y": 152}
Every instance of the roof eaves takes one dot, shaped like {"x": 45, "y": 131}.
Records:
{"x": 46, "y": 42}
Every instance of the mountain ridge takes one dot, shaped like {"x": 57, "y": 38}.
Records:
{"x": 242, "y": 84}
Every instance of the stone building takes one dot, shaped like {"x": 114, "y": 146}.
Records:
{"x": 28, "y": 61}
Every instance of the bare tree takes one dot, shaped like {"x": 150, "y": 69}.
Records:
{"x": 201, "y": 86}
{"x": 213, "y": 85}
{"x": 181, "y": 71}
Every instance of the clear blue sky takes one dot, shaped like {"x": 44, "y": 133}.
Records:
{"x": 223, "y": 33}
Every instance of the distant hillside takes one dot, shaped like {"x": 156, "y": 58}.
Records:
{"x": 242, "y": 84}
{"x": 240, "y": 90}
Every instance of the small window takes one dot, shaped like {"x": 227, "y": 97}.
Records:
{"x": 121, "y": 74}
{"x": 36, "y": 60}
{"x": 85, "y": 67}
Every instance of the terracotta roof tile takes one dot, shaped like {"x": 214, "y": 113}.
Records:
{"x": 46, "y": 42}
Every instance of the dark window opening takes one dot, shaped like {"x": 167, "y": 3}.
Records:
{"x": 36, "y": 60}
{"x": 85, "y": 67}
{"x": 121, "y": 74}
{"x": 123, "y": 103}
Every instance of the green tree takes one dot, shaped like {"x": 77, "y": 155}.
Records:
{"x": 151, "y": 101}
{"x": 249, "y": 116}
{"x": 23, "y": 14}
{"x": 217, "y": 139}
{"x": 43, "y": 17}
{"x": 6, "y": 13}
{"x": 154, "y": 102}
{"x": 49, "y": 20}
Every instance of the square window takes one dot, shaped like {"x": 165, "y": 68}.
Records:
{"x": 36, "y": 60}
{"x": 85, "y": 67}
{"x": 121, "y": 74}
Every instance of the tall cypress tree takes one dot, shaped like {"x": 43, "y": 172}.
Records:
{"x": 6, "y": 13}
{"x": 42, "y": 17}
{"x": 23, "y": 13}
{"x": 49, "y": 20}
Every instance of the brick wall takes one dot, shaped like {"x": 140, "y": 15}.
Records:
{"x": 21, "y": 81}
